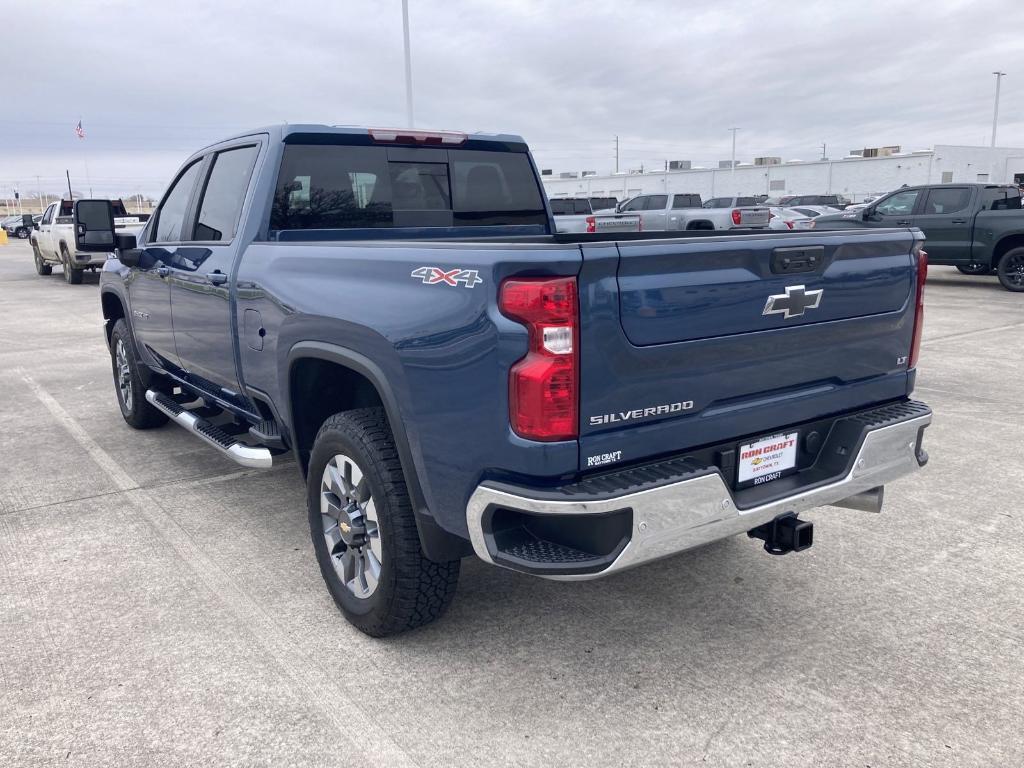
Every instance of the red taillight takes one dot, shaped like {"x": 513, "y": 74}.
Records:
{"x": 408, "y": 136}
{"x": 591, "y": 224}
{"x": 543, "y": 385}
{"x": 736, "y": 216}
{"x": 789, "y": 224}
{"x": 922, "y": 275}
{"x": 770, "y": 215}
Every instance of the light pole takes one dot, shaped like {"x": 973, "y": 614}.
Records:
{"x": 732, "y": 164}
{"x": 408, "y": 63}
{"x": 995, "y": 113}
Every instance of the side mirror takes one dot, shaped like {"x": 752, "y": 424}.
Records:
{"x": 94, "y": 225}
{"x": 869, "y": 214}
{"x": 35, "y": 225}
{"x": 127, "y": 252}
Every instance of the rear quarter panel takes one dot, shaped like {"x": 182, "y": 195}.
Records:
{"x": 445, "y": 350}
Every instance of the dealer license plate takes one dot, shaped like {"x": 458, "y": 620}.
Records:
{"x": 766, "y": 459}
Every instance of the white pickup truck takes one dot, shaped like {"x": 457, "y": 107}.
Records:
{"x": 574, "y": 214}
{"x": 53, "y": 240}
{"x": 685, "y": 211}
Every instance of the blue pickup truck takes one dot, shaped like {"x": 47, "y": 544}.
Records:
{"x": 394, "y": 309}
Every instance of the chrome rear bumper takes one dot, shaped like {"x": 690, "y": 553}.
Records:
{"x": 682, "y": 515}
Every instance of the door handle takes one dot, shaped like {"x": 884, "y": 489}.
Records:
{"x": 902, "y": 223}
{"x": 958, "y": 221}
{"x": 163, "y": 271}
{"x": 217, "y": 277}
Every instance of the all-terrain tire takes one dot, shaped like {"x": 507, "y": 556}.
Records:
{"x": 1011, "y": 270}
{"x": 411, "y": 590}
{"x": 72, "y": 276}
{"x": 42, "y": 268}
{"x": 128, "y": 386}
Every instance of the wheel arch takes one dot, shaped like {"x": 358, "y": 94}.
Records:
{"x": 113, "y": 310}
{"x": 1005, "y": 244}
{"x": 700, "y": 224}
{"x": 342, "y": 379}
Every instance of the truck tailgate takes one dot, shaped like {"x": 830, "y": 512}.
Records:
{"x": 754, "y": 217}
{"x": 694, "y": 341}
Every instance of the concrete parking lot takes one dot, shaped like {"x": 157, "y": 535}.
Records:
{"x": 161, "y": 606}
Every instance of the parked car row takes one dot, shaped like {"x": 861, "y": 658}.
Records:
{"x": 19, "y": 225}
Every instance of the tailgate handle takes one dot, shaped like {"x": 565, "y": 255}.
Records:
{"x": 788, "y": 261}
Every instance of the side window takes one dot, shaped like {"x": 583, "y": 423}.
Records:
{"x": 48, "y": 216}
{"x": 1002, "y": 199}
{"x": 749, "y": 201}
{"x": 636, "y": 204}
{"x": 899, "y": 204}
{"x": 656, "y": 203}
{"x": 171, "y": 217}
{"x": 225, "y": 190}
{"x": 718, "y": 202}
{"x": 947, "y": 200}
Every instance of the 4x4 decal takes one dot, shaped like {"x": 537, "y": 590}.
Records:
{"x": 455, "y": 277}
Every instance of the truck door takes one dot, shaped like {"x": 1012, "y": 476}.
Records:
{"x": 654, "y": 214}
{"x": 200, "y": 272}
{"x": 896, "y": 210}
{"x": 149, "y": 293}
{"x": 946, "y": 219}
{"x": 44, "y": 239}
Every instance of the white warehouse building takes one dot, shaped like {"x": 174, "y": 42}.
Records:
{"x": 854, "y": 177}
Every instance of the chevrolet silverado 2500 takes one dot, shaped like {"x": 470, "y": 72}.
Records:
{"x": 452, "y": 377}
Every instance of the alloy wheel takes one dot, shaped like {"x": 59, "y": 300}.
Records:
{"x": 351, "y": 531}
{"x": 124, "y": 374}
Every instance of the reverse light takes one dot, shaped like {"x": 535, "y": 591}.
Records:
{"x": 736, "y": 216}
{"x": 922, "y": 275}
{"x": 407, "y": 136}
{"x": 544, "y": 385}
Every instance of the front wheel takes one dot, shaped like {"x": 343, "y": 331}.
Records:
{"x": 974, "y": 269}
{"x": 364, "y": 532}
{"x": 22, "y": 233}
{"x": 1011, "y": 270}
{"x": 131, "y": 393}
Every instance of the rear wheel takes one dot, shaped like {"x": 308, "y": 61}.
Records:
{"x": 1011, "y": 270}
{"x": 72, "y": 276}
{"x": 131, "y": 393}
{"x": 364, "y": 532}
{"x": 974, "y": 269}
{"x": 22, "y": 233}
{"x": 42, "y": 268}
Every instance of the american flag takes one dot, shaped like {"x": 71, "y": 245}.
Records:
{"x": 79, "y": 130}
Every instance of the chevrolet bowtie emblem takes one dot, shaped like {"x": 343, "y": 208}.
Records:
{"x": 345, "y": 527}
{"x": 793, "y": 303}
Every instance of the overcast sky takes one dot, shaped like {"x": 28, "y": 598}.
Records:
{"x": 154, "y": 81}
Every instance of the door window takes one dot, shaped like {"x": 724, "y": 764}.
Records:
{"x": 170, "y": 219}
{"x": 718, "y": 202}
{"x": 947, "y": 200}
{"x": 48, "y": 216}
{"x": 900, "y": 204}
{"x": 656, "y": 203}
{"x": 636, "y": 204}
{"x": 225, "y": 191}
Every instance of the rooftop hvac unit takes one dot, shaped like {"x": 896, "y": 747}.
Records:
{"x": 679, "y": 165}
{"x": 545, "y": 172}
{"x": 568, "y": 175}
{"x": 767, "y": 161}
{"x": 589, "y": 173}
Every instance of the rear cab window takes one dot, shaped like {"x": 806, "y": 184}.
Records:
{"x": 351, "y": 187}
